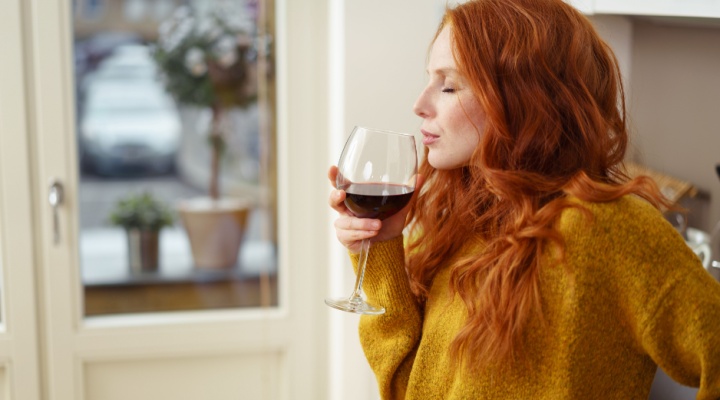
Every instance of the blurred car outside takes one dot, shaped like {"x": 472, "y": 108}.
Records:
{"x": 129, "y": 62}
{"x": 93, "y": 50}
{"x": 129, "y": 123}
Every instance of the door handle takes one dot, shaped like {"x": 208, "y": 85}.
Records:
{"x": 55, "y": 198}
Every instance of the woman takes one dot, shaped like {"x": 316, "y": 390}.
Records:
{"x": 534, "y": 268}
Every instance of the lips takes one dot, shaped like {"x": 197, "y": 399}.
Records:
{"x": 429, "y": 138}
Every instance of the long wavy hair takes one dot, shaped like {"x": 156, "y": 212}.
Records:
{"x": 555, "y": 128}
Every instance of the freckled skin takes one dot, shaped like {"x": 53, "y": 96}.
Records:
{"x": 452, "y": 116}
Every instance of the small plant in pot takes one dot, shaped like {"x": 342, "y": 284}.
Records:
{"x": 142, "y": 216}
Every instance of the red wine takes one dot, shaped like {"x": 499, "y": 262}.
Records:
{"x": 376, "y": 200}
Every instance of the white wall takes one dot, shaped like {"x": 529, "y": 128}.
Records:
{"x": 386, "y": 47}
{"x": 617, "y": 31}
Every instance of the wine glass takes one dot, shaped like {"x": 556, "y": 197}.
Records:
{"x": 377, "y": 170}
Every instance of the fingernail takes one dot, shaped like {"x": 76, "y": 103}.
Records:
{"x": 375, "y": 225}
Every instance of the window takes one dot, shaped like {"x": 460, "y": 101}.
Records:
{"x": 161, "y": 117}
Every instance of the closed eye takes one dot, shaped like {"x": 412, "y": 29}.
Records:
{"x": 448, "y": 90}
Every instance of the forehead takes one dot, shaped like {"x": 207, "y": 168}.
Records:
{"x": 441, "y": 53}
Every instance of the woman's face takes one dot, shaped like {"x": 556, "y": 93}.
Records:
{"x": 452, "y": 116}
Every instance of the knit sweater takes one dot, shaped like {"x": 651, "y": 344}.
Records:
{"x": 630, "y": 296}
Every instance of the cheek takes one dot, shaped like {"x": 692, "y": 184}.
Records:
{"x": 468, "y": 146}
{"x": 475, "y": 124}
{"x": 468, "y": 130}
{"x": 477, "y": 115}
{"x": 467, "y": 116}
{"x": 456, "y": 149}
{"x": 462, "y": 129}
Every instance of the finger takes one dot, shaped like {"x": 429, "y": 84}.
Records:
{"x": 357, "y": 224}
{"x": 337, "y": 201}
{"x": 332, "y": 175}
{"x": 350, "y": 238}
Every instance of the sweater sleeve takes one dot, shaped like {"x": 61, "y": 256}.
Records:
{"x": 669, "y": 301}
{"x": 389, "y": 340}
{"x": 674, "y": 300}
{"x": 683, "y": 335}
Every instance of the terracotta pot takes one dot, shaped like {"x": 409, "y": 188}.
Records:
{"x": 143, "y": 250}
{"x": 215, "y": 229}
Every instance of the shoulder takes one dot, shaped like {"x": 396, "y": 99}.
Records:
{"x": 626, "y": 216}
{"x": 628, "y": 227}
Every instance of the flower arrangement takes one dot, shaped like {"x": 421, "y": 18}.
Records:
{"x": 207, "y": 58}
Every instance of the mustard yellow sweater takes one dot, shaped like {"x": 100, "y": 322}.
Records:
{"x": 631, "y": 297}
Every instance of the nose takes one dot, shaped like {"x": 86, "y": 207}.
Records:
{"x": 421, "y": 107}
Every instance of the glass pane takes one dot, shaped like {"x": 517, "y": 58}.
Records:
{"x": 176, "y": 137}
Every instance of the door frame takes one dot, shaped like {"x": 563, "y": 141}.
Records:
{"x": 19, "y": 353}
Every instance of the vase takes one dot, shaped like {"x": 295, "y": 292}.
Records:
{"x": 143, "y": 255}
{"x": 215, "y": 229}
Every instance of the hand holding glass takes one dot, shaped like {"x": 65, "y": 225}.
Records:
{"x": 377, "y": 170}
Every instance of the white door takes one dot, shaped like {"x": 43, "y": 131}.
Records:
{"x": 272, "y": 351}
{"x": 19, "y": 355}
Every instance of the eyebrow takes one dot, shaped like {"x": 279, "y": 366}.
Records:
{"x": 446, "y": 71}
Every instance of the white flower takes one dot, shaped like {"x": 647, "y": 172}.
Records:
{"x": 174, "y": 31}
{"x": 182, "y": 12}
{"x": 225, "y": 51}
{"x": 207, "y": 28}
{"x": 184, "y": 28}
{"x": 195, "y": 61}
{"x": 233, "y": 14}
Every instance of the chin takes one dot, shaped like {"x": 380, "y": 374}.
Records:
{"x": 444, "y": 163}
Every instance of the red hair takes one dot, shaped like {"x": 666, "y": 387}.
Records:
{"x": 554, "y": 127}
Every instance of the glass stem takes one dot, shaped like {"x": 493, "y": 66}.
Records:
{"x": 356, "y": 296}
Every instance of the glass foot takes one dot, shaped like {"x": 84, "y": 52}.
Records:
{"x": 357, "y": 306}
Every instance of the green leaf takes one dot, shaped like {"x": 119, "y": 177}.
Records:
{"x": 141, "y": 211}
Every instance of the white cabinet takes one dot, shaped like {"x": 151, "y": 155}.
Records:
{"x": 664, "y": 8}
{"x": 585, "y": 6}
{"x": 655, "y": 8}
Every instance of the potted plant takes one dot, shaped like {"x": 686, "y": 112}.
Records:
{"x": 142, "y": 216}
{"x": 203, "y": 56}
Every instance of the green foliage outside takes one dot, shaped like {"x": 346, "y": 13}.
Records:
{"x": 143, "y": 212}
{"x": 204, "y": 59}
{"x": 186, "y": 87}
